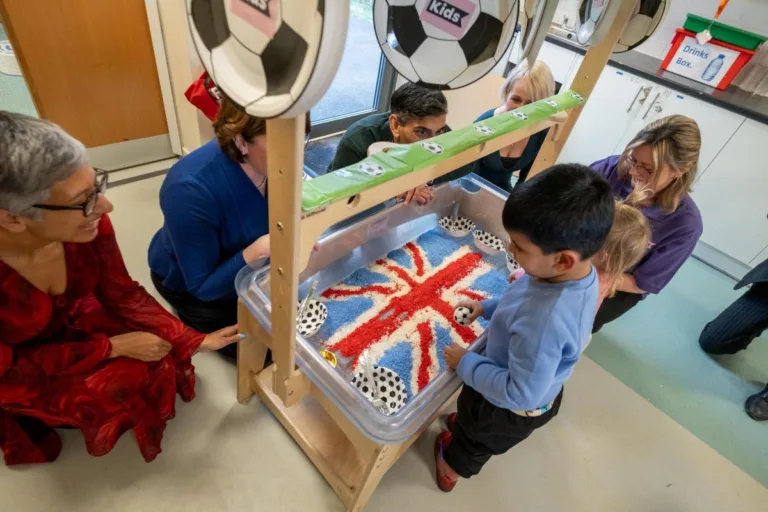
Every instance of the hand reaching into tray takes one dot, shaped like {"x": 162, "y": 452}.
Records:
{"x": 421, "y": 194}
{"x": 453, "y": 354}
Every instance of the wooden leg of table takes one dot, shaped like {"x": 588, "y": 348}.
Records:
{"x": 379, "y": 464}
{"x": 251, "y": 354}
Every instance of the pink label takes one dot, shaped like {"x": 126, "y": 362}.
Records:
{"x": 450, "y": 16}
{"x": 260, "y": 14}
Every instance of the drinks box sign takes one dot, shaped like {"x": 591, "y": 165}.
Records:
{"x": 713, "y": 63}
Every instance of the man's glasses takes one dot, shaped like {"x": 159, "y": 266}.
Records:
{"x": 90, "y": 202}
{"x": 637, "y": 165}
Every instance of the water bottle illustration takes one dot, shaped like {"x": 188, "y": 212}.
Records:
{"x": 713, "y": 68}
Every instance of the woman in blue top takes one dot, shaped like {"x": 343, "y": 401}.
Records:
{"x": 524, "y": 85}
{"x": 216, "y": 221}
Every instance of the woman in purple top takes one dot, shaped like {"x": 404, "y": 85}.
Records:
{"x": 655, "y": 173}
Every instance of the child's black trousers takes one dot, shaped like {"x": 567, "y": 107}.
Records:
{"x": 483, "y": 430}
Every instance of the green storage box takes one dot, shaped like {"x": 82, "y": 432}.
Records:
{"x": 723, "y": 32}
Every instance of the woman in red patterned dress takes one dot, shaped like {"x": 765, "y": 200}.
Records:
{"x": 81, "y": 344}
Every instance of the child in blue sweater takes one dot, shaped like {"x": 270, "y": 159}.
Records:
{"x": 556, "y": 222}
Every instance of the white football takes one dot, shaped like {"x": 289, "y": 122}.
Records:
{"x": 432, "y": 147}
{"x": 444, "y": 44}
{"x": 519, "y": 115}
{"x": 371, "y": 169}
{"x": 646, "y": 18}
{"x": 551, "y": 103}
{"x": 483, "y": 129}
{"x": 271, "y": 57}
{"x": 577, "y": 96}
{"x": 461, "y": 315}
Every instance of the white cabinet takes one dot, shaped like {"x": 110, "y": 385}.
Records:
{"x": 760, "y": 257}
{"x": 617, "y": 99}
{"x": 559, "y": 60}
{"x": 717, "y": 125}
{"x": 733, "y": 195}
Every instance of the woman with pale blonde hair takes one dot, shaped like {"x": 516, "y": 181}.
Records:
{"x": 655, "y": 174}
{"x": 525, "y": 85}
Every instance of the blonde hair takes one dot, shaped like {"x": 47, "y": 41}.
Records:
{"x": 627, "y": 243}
{"x": 541, "y": 83}
{"x": 675, "y": 142}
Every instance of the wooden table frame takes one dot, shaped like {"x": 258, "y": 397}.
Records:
{"x": 351, "y": 463}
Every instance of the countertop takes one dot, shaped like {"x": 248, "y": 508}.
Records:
{"x": 645, "y": 66}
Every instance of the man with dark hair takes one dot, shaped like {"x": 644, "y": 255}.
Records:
{"x": 416, "y": 113}
{"x": 556, "y": 222}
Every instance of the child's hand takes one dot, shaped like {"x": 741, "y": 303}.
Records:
{"x": 517, "y": 274}
{"x": 475, "y": 307}
{"x": 453, "y": 354}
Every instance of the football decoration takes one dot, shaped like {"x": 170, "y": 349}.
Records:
{"x": 461, "y": 315}
{"x": 519, "y": 115}
{"x": 271, "y": 57}
{"x": 444, "y": 44}
{"x": 593, "y": 19}
{"x": 462, "y": 226}
{"x": 432, "y": 147}
{"x": 488, "y": 243}
{"x": 387, "y": 384}
{"x": 371, "y": 169}
{"x": 313, "y": 318}
{"x": 483, "y": 129}
{"x": 551, "y": 103}
{"x": 577, "y": 96}
{"x": 646, "y": 18}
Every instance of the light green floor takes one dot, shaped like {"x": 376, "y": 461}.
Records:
{"x": 654, "y": 350}
{"x": 14, "y": 95}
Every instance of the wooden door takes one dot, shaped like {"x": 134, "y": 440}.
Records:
{"x": 90, "y": 66}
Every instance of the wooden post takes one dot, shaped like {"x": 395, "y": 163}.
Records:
{"x": 593, "y": 64}
{"x": 285, "y": 162}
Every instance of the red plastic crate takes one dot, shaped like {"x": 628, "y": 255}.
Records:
{"x": 736, "y": 66}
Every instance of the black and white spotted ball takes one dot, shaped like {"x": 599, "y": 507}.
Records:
{"x": 389, "y": 384}
{"x": 461, "y": 315}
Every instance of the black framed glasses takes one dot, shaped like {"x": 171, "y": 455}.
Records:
{"x": 90, "y": 202}
{"x": 633, "y": 163}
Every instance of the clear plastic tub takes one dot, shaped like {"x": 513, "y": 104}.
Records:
{"x": 357, "y": 243}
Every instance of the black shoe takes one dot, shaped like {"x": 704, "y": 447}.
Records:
{"x": 757, "y": 405}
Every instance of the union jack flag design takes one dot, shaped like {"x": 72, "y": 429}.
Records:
{"x": 400, "y": 308}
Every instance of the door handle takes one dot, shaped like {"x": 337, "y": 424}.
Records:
{"x": 651, "y": 106}
{"x": 635, "y": 99}
{"x": 642, "y": 89}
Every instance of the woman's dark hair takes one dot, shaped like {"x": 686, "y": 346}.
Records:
{"x": 232, "y": 120}
{"x": 565, "y": 207}
{"x": 411, "y": 101}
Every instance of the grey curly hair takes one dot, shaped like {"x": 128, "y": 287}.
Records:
{"x": 35, "y": 155}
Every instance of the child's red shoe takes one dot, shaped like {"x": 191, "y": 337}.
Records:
{"x": 445, "y": 482}
{"x": 450, "y": 421}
